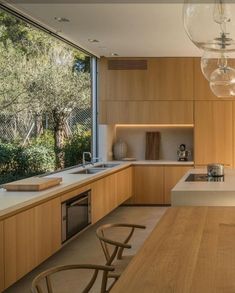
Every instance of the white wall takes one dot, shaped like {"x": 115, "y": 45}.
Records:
{"x": 106, "y": 138}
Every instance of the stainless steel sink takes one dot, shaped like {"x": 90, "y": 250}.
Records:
{"x": 107, "y": 165}
{"x": 90, "y": 171}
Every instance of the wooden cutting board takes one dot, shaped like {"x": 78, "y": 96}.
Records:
{"x": 32, "y": 184}
{"x": 152, "y": 145}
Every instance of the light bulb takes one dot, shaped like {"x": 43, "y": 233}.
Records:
{"x": 221, "y": 12}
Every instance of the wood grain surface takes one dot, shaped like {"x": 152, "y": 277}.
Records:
{"x": 191, "y": 250}
{"x": 32, "y": 184}
{"x": 152, "y": 147}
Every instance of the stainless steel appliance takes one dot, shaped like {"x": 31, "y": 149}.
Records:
{"x": 76, "y": 214}
{"x": 203, "y": 178}
{"x": 215, "y": 170}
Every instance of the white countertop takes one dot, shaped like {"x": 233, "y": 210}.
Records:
{"x": 205, "y": 193}
{"x": 11, "y": 201}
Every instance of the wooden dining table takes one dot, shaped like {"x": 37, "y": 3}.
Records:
{"x": 191, "y": 250}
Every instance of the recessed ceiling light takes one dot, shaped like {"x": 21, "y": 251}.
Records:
{"x": 93, "y": 41}
{"x": 62, "y": 19}
{"x": 114, "y": 54}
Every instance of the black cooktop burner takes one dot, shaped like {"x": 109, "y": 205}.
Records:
{"x": 203, "y": 177}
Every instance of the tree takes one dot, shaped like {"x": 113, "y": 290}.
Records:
{"x": 41, "y": 74}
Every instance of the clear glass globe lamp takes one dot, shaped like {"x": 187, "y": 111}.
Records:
{"x": 222, "y": 82}
{"x": 212, "y": 60}
{"x": 210, "y": 25}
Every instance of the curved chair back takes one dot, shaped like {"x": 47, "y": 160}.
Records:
{"x": 117, "y": 251}
{"x": 46, "y": 277}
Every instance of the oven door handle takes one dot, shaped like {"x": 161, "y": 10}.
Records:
{"x": 74, "y": 203}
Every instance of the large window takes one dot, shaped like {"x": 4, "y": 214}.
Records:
{"x": 45, "y": 101}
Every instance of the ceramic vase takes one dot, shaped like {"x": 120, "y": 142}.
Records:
{"x": 120, "y": 150}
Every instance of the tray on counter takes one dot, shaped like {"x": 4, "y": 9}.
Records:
{"x": 32, "y": 184}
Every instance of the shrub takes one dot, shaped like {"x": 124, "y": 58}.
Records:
{"x": 80, "y": 142}
{"x": 36, "y": 159}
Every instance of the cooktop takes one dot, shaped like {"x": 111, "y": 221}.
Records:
{"x": 203, "y": 177}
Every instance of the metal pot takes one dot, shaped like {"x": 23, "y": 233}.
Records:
{"x": 215, "y": 170}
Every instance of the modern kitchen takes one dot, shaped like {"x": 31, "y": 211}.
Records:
{"x": 150, "y": 204}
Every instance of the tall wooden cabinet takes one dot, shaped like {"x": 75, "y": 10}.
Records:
{"x": 1, "y": 258}
{"x": 213, "y": 132}
{"x": 30, "y": 237}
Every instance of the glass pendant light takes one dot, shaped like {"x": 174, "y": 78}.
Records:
{"x": 222, "y": 80}
{"x": 210, "y": 61}
{"x": 210, "y": 26}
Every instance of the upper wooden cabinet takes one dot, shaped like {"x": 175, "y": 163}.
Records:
{"x": 122, "y": 84}
{"x": 213, "y": 132}
{"x": 143, "y": 112}
{"x": 202, "y": 89}
{"x": 1, "y": 259}
{"x": 30, "y": 237}
{"x": 170, "y": 78}
{"x": 162, "y": 79}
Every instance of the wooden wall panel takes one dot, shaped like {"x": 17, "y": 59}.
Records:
{"x": 213, "y": 135}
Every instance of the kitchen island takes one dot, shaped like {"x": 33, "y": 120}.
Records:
{"x": 204, "y": 193}
{"x": 190, "y": 250}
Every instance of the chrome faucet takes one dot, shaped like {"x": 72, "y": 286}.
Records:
{"x": 84, "y": 158}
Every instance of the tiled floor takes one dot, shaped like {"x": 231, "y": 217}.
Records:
{"x": 86, "y": 248}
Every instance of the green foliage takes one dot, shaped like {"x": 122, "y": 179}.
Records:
{"x": 40, "y": 74}
{"x": 17, "y": 162}
{"x": 80, "y": 142}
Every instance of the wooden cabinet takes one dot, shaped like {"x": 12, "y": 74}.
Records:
{"x": 30, "y": 237}
{"x": 122, "y": 84}
{"x": 124, "y": 185}
{"x": 146, "y": 112}
{"x": 148, "y": 185}
{"x": 162, "y": 93}
{"x": 103, "y": 197}
{"x": 172, "y": 175}
{"x": 2, "y": 286}
{"x": 109, "y": 192}
{"x": 202, "y": 89}
{"x": 170, "y": 78}
{"x": 213, "y": 132}
{"x": 162, "y": 79}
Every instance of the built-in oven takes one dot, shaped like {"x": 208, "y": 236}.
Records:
{"x": 76, "y": 215}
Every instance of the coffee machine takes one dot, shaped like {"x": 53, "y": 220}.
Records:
{"x": 183, "y": 153}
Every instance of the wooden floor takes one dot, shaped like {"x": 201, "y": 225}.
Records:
{"x": 86, "y": 248}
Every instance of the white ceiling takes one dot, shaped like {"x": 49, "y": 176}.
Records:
{"x": 133, "y": 29}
